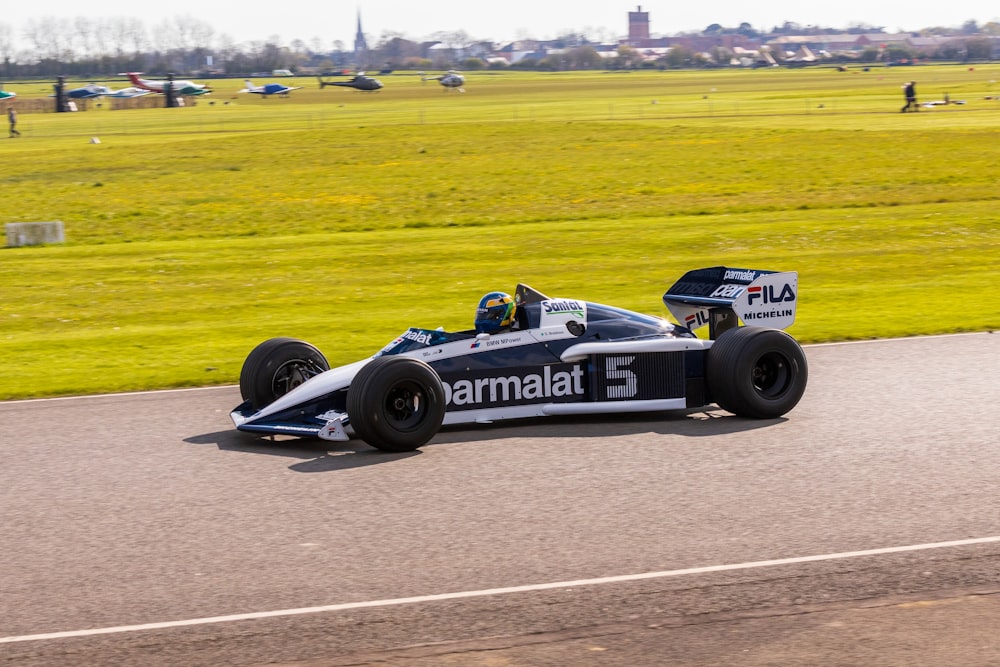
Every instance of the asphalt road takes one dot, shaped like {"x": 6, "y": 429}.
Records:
{"x": 863, "y": 529}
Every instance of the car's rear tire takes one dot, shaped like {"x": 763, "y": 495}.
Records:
{"x": 277, "y": 366}
{"x": 396, "y": 404}
{"x": 756, "y": 372}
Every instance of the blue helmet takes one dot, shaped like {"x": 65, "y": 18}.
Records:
{"x": 495, "y": 312}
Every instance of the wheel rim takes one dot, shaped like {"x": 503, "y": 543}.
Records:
{"x": 291, "y": 374}
{"x": 404, "y": 407}
{"x": 771, "y": 374}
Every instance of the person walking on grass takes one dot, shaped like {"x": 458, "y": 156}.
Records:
{"x": 12, "y": 119}
{"x": 910, "y": 91}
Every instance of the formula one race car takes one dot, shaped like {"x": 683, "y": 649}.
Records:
{"x": 532, "y": 355}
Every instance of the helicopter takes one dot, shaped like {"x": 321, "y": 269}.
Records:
{"x": 450, "y": 79}
{"x": 359, "y": 82}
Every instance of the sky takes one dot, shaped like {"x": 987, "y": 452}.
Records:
{"x": 502, "y": 20}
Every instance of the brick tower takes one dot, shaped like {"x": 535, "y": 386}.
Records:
{"x": 638, "y": 26}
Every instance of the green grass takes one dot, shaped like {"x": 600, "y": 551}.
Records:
{"x": 343, "y": 218}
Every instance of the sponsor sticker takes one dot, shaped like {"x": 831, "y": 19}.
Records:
{"x": 557, "y": 312}
{"x": 497, "y": 341}
{"x": 333, "y": 430}
{"x": 770, "y": 294}
{"x": 422, "y": 337}
{"x": 555, "y": 383}
{"x": 728, "y": 291}
{"x": 769, "y": 300}
{"x": 747, "y": 275}
{"x": 696, "y": 319}
{"x": 574, "y": 308}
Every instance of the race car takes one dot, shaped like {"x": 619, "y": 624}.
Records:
{"x": 531, "y": 355}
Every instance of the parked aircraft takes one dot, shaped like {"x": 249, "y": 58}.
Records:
{"x": 87, "y": 92}
{"x": 179, "y": 87}
{"x": 92, "y": 90}
{"x": 359, "y": 82}
{"x": 269, "y": 89}
{"x": 126, "y": 93}
{"x": 943, "y": 103}
{"x": 450, "y": 79}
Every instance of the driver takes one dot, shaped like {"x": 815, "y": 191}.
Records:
{"x": 495, "y": 313}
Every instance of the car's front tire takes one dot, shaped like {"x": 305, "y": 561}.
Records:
{"x": 756, "y": 372}
{"x": 277, "y": 366}
{"x": 396, "y": 404}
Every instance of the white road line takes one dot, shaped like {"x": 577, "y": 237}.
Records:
{"x": 125, "y": 394}
{"x": 494, "y": 591}
{"x": 901, "y": 339}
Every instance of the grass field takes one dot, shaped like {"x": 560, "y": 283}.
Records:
{"x": 343, "y": 217}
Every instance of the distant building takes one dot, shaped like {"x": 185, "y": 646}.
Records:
{"x": 638, "y": 32}
{"x": 638, "y": 26}
{"x": 360, "y": 45}
{"x": 850, "y": 44}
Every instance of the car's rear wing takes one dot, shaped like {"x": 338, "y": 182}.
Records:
{"x": 720, "y": 297}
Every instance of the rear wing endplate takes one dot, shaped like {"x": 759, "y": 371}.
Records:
{"x": 721, "y": 297}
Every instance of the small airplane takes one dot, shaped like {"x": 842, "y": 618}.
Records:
{"x": 942, "y": 103}
{"x": 179, "y": 87}
{"x": 268, "y": 89}
{"x": 7, "y": 94}
{"x": 126, "y": 93}
{"x": 87, "y": 92}
{"x": 359, "y": 82}
{"x": 92, "y": 90}
{"x": 450, "y": 79}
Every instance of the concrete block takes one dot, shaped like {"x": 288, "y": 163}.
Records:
{"x": 34, "y": 233}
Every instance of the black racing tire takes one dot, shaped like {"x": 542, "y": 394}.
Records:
{"x": 756, "y": 372}
{"x": 277, "y": 366}
{"x": 396, "y": 404}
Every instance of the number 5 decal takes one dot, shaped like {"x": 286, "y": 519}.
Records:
{"x": 616, "y": 369}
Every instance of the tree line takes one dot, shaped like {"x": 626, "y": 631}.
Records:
{"x": 92, "y": 47}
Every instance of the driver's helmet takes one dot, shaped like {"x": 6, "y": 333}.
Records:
{"x": 495, "y": 312}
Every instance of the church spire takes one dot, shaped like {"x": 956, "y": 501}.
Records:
{"x": 360, "y": 45}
